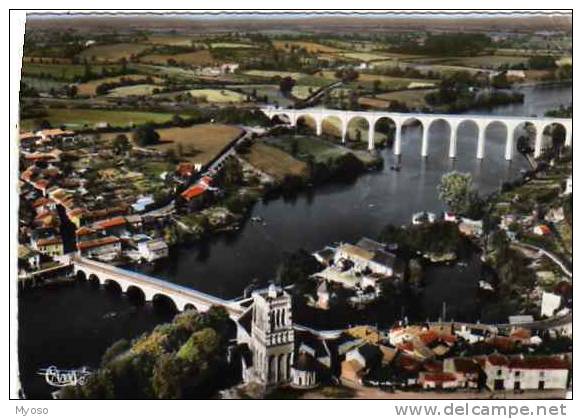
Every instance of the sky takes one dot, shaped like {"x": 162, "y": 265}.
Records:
{"x": 299, "y": 14}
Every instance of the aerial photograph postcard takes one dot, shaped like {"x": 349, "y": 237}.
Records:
{"x": 293, "y": 205}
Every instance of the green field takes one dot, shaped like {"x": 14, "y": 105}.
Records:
{"x": 89, "y": 118}
{"x": 135, "y": 90}
{"x": 65, "y": 72}
{"x": 321, "y": 150}
{"x": 228, "y": 45}
{"x": 218, "y": 96}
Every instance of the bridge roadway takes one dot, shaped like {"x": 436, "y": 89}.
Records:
{"x": 183, "y": 297}
{"x": 481, "y": 122}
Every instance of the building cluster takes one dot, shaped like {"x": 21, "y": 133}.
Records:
{"x": 276, "y": 352}
{"x": 361, "y": 268}
{"x": 61, "y": 213}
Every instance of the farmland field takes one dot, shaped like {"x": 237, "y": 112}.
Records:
{"x": 227, "y": 45}
{"x": 387, "y": 82}
{"x": 218, "y": 96}
{"x": 412, "y": 98}
{"x": 321, "y": 150}
{"x": 199, "y": 143}
{"x": 275, "y": 162}
{"x": 112, "y": 52}
{"x": 64, "y": 72}
{"x": 79, "y": 118}
{"x": 171, "y": 40}
{"x": 271, "y": 74}
{"x": 202, "y": 57}
{"x": 311, "y": 47}
{"x": 135, "y": 90}
{"x": 89, "y": 87}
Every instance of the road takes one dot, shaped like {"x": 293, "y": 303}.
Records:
{"x": 550, "y": 255}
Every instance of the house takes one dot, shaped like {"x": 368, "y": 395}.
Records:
{"x": 103, "y": 247}
{"x": 352, "y": 371}
{"x": 466, "y": 370}
{"x": 550, "y": 303}
{"x": 542, "y": 230}
{"x": 28, "y": 259}
{"x": 439, "y": 380}
{"x": 152, "y": 249}
{"x": 325, "y": 256}
{"x": 525, "y": 373}
{"x": 142, "y": 202}
{"x": 366, "y": 256}
{"x": 50, "y": 134}
{"x": 198, "y": 195}
{"x": 43, "y": 204}
{"x": 555, "y": 215}
{"x": 515, "y": 75}
{"x": 116, "y": 225}
{"x": 52, "y": 246}
{"x": 423, "y": 217}
{"x": 471, "y": 228}
{"x": 367, "y": 354}
{"x": 450, "y": 217}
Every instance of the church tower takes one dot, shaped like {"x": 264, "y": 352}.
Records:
{"x": 272, "y": 337}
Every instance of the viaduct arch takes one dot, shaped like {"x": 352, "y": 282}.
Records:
{"x": 400, "y": 120}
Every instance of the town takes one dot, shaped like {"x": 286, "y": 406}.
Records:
{"x": 182, "y": 171}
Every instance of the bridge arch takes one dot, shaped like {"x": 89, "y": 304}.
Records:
{"x": 554, "y": 135}
{"x": 413, "y": 130}
{"x": 358, "y": 129}
{"x": 307, "y": 122}
{"x": 94, "y": 280}
{"x": 189, "y": 306}
{"x": 524, "y": 137}
{"x": 471, "y": 130}
{"x": 434, "y": 142}
{"x": 113, "y": 286}
{"x": 496, "y": 131}
{"x": 81, "y": 275}
{"x": 281, "y": 118}
{"x": 163, "y": 302}
{"x": 334, "y": 126}
{"x": 135, "y": 294}
{"x": 387, "y": 127}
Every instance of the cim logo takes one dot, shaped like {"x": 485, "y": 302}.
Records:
{"x": 62, "y": 378}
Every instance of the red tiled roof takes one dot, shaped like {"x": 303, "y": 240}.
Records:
{"x": 539, "y": 363}
{"x": 193, "y": 192}
{"x": 49, "y": 241}
{"x": 41, "y": 183}
{"x": 84, "y": 231}
{"x": 89, "y": 244}
{"x": 110, "y": 223}
{"x": 498, "y": 360}
{"x": 439, "y": 377}
{"x": 185, "y": 169}
{"x": 41, "y": 201}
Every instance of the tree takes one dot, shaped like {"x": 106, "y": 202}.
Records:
{"x": 286, "y": 85}
{"x": 145, "y": 135}
{"x": 455, "y": 190}
{"x": 121, "y": 144}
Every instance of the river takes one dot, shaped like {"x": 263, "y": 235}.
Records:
{"x": 72, "y": 326}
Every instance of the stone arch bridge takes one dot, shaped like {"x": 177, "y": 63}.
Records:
{"x": 482, "y": 122}
{"x": 152, "y": 288}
